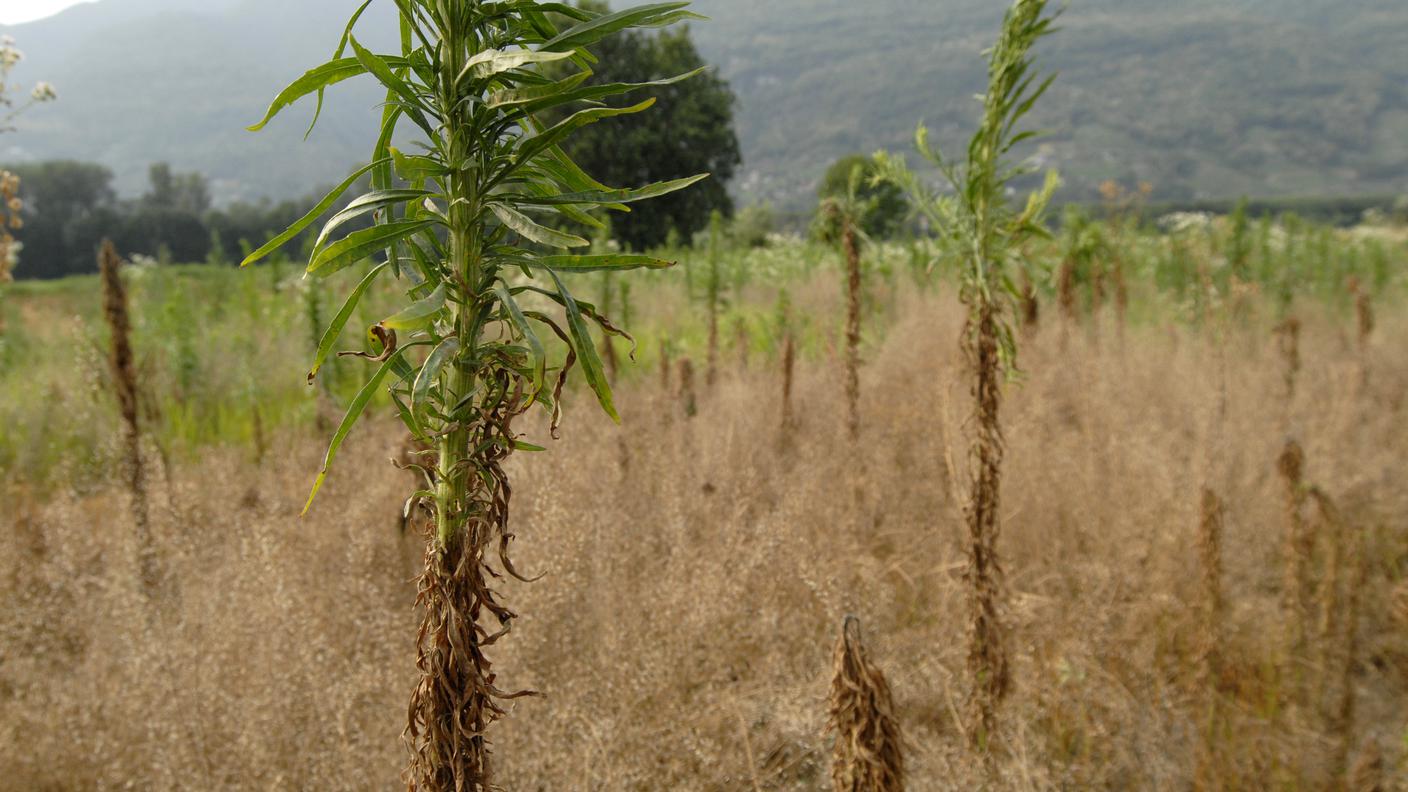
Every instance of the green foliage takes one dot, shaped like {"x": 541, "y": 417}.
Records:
{"x": 975, "y": 220}
{"x": 884, "y": 204}
{"x": 691, "y": 131}
{"x": 468, "y": 226}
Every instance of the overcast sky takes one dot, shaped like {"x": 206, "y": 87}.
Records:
{"x": 13, "y": 12}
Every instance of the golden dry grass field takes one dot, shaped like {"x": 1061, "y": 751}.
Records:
{"x": 696, "y": 571}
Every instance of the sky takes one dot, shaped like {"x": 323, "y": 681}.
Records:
{"x": 13, "y": 12}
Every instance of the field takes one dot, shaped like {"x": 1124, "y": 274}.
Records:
{"x": 697, "y": 563}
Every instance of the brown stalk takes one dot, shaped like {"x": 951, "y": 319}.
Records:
{"x": 868, "y": 753}
{"x": 665, "y": 365}
{"x": 1340, "y": 628}
{"x": 686, "y": 395}
{"x": 1030, "y": 306}
{"x": 124, "y": 380}
{"x": 1298, "y": 548}
{"x": 1288, "y": 340}
{"x": 987, "y": 647}
{"x": 457, "y": 699}
{"x": 850, "y": 245}
{"x": 789, "y": 361}
{"x": 1213, "y": 607}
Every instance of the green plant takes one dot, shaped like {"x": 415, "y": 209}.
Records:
{"x": 713, "y": 289}
{"x": 839, "y": 222}
{"x": 979, "y": 227}
{"x": 467, "y": 227}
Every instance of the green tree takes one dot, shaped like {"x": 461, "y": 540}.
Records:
{"x": 689, "y": 131}
{"x": 885, "y": 204}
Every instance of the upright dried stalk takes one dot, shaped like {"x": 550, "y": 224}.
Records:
{"x": 124, "y": 382}
{"x": 1213, "y": 608}
{"x": 868, "y": 754}
{"x": 714, "y": 288}
{"x": 1340, "y": 629}
{"x": 687, "y": 396}
{"x": 851, "y": 246}
{"x": 980, "y": 227}
{"x": 1213, "y": 604}
{"x": 789, "y": 362}
{"x": 1298, "y": 546}
{"x": 1030, "y": 305}
{"x": 1288, "y": 340}
{"x": 665, "y": 365}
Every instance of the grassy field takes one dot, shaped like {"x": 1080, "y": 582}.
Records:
{"x": 697, "y": 567}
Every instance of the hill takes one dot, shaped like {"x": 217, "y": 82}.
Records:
{"x": 1202, "y": 99}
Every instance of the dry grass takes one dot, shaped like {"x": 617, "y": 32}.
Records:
{"x": 701, "y": 589}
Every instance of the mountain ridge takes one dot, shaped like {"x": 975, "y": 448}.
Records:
{"x": 1205, "y": 100}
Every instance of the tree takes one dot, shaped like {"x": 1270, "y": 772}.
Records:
{"x": 885, "y": 203}
{"x": 690, "y": 130}
{"x": 61, "y": 199}
{"x": 183, "y": 192}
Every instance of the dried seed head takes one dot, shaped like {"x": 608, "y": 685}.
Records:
{"x": 868, "y": 754}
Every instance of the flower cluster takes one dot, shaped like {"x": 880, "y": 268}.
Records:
{"x": 10, "y": 56}
{"x": 10, "y": 206}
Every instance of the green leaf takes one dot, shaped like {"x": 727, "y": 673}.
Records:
{"x": 518, "y": 96}
{"x": 550, "y": 137}
{"x": 489, "y": 62}
{"x": 419, "y": 314}
{"x": 529, "y": 335}
{"x": 594, "y": 30}
{"x": 364, "y": 204}
{"x": 442, "y": 354}
{"x": 596, "y": 262}
{"x": 610, "y": 196}
{"x": 334, "y": 330}
{"x": 359, "y": 404}
{"x": 314, "y": 80}
{"x": 359, "y": 244}
{"x": 413, "y": 168}
{"x": 592, "y": 367}
{"x": 596, "y": 92}
{"x": 378, "y": 65}
{"x": 307, "y": 220}
{"x": 528, "y": 229}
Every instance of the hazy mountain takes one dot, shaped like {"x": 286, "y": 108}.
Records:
{"x": 1199, "y": 97}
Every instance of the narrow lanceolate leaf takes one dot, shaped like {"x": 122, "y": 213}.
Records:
{"x": 380, "y": 67}
{"x": 419, "y": 314}
{"x": 359, "y": 405}
{"x": 623, "y": 196}
{"x": 489, "y": 62}
{"x": 595, "y": 92}
{"x": 359, "y": 244}
{"x": 316, "y": 79}
{"x": 520, "y": 321}
{"x": 307, "y": 220}
{"x": 551, "y": 136}
{"x": 364, "y": 204}
{"x": 592, "y": 367}
{"x": 526, "y": 228}
{"x": 594, "y": 30}
{"x": 597, "y": 262}
{"x": 428, "y": 374}
{"x": 334, "y": 330}
{"x": 510, "y": 97}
